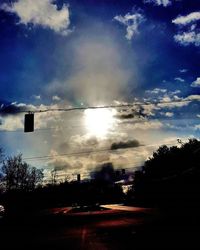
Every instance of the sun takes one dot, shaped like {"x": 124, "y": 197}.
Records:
{"x": 100, "y": 121}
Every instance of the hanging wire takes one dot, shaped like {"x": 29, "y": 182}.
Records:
{"x": 98, "y": 107}
{"x": 46, "y": 157}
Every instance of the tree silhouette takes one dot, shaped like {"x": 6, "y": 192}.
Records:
{"x": 18, "y": 175}
{"x": 172, "y": 173}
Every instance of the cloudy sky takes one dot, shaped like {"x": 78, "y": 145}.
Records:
{"x": 79, "y": 53}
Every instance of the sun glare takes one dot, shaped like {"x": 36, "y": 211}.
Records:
{"x": 98, "y": 122}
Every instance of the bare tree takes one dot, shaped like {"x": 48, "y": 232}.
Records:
{"x": 17, "y": 174}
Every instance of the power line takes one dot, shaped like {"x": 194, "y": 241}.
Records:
{"x": 138, "y": 112}
{"x": 46, "y": 157}
{"x": 98, "y": 107}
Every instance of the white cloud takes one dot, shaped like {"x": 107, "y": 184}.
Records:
{"x": 147, "y": 125}
{"x": 132, "y": 22}
{"x": 51, "y": 119}
{"x": 56, "y": 98}
{"x": 179, "y": 79}
{"x": 169, "y": 99}
{"x": 175, "y": 102}
{"x": 37, "y": 97}
{"x": 183, "y": 70}
{"x": 175, "y": 92}
{"x": 156, "y": 91}
{"x": 187, "y": 38}
{"x": 191, "y": 35}
{"x": 149, "y": 110}
{"x": 196, "y": 83}
{"x": 11, "y": 123}
{"x": 165, "y": 3}
{"x": 197, "y": 127}
{"x": 173, "y": 105}
{"x": 165, "y": 92}
{"x": 43, "y": 13}
{"x": 167, "y": 114}
{"x": 185, "y": 20}
{"x": 166, "y": 98}
{"x": 192, "y": 98}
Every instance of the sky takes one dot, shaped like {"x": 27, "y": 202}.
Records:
{"x": 80, "y": 53}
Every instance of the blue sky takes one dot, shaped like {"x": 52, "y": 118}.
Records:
{"x": 87, "y": 52}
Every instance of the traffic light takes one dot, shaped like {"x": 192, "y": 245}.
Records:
{"x": 29, "y": 123}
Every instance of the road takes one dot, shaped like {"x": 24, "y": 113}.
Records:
{"x": 116, "y": 227}
{"x": 70, "y": 228}
{"x": 111, "y": 228}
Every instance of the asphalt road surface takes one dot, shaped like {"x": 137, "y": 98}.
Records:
{"x": 114, "y": 227}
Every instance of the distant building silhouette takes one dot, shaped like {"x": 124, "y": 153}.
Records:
{"x": 117, "y": 173}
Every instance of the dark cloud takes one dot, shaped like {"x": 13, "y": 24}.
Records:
{"x": 104, "y": 172}
{"x": 63, "y": 147}
{"x": 130, "y": 113}
{"x": 12, "y": 108}
{"x": 60, "y": 165}
{"x": 101, "y": 157}
{"x": 125, "y": 116}
{"x": 127, "y": 144}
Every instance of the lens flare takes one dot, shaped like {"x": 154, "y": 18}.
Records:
{"x": 99, "y": 122}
